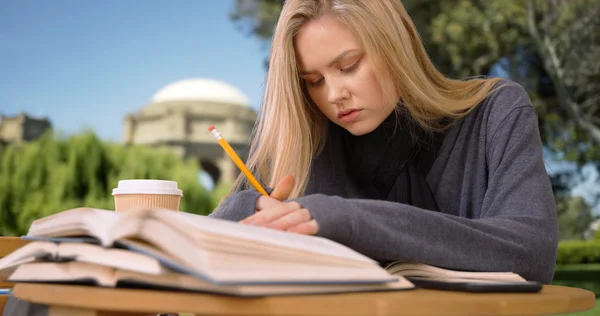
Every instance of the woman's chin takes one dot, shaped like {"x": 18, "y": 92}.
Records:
{"x": 360, "y": 128}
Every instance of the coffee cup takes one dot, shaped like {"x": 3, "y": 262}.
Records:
{"x": 138, "y": 193}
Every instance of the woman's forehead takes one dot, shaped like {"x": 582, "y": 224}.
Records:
{"x": 322, "y": 41}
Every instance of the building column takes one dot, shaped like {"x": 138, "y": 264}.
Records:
{"x": 129, "y": 129}
{"x": 229, "y": 171}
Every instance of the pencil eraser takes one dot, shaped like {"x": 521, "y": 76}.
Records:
{"x": 210, "y": 129}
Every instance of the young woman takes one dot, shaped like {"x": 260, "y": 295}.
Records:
{"x": 373, "y": 148}
{"x": 367, "y": 144}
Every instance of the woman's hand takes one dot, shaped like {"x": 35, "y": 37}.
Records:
{"x": 281, "y": 192}
{"x": 286, "y": 216}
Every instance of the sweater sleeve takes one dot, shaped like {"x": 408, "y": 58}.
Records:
{"x": 516, "y": 231}
{"x": 237, "y": 206}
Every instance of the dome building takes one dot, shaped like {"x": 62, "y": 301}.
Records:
{"x": 179, "y": 115}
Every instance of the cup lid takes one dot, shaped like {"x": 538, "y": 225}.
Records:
{"x": 145, "y": 186}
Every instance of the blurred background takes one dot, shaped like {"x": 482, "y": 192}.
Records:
{"x": 96, "y": 91}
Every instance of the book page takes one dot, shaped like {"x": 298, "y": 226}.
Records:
{"x": 422, "y": 270}
{"x": 311, "y": 244}
{"x": 110, "y": 257}
{"x": 467, "y": 280}
{"x": 182, "y": 281}
{"x": 215, "y": 243}
{"x": 27, "y": 253}
{"x": 79, "y": 221}
{"x": 63, "y": 271}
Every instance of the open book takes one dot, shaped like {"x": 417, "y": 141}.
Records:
{"x": 75, "y": 272}
{"x": 427, "y": 272}
{"x": 166, "y": 249}
{"x": 426, "y": 276}
{"x": 180, "y": 250}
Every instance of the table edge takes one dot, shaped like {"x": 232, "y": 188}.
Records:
{"x": 380, "y": 303}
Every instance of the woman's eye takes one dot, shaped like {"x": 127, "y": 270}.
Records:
{"x": 315, "y": 83}
{"x": 351, "y": 67}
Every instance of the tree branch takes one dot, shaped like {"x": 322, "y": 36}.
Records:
{"x": 483, "y": 62}
{"x": 592, "y": 129}
{"x": 576, "y": 33}
{"x": 547, "y": 51}
{"x": 592, "y": 104}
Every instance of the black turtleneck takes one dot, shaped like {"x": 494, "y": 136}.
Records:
{"x": 391, "y": 162}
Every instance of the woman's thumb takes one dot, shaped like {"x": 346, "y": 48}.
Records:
{"x": 283, "y": 188}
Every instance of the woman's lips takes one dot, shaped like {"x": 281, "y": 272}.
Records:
{"x": 349, "y": 116}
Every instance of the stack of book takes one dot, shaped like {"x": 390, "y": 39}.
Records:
{"x": 162, "y": 249}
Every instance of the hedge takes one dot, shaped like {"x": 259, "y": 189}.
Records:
{"x": 578, "y": 251}
{"x": 56, "y": 173}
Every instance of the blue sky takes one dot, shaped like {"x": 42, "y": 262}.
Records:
{"x": 86, "y": 64}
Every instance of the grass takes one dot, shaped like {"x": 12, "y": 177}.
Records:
{"x": 579, "y": 267}
{"x": 584, "y": 276}
{"x": 592, "y": 312}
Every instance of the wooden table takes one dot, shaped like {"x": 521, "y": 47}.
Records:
{"x": 81, "y": 300}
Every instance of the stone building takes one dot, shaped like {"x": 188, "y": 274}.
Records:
{"x": 22, "y": 128}
{"x": 179, "y": 115}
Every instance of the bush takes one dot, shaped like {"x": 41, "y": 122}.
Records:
{"x": 53, "y": 174}
{"x": 583, "y": 276}
{"x": 219, "y": 192}
{"x": 578, "y": 251}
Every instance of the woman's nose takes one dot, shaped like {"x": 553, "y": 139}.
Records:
{"x": 337, "y": 93}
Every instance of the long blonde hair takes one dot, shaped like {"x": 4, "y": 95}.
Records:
{"x": 290, "y": 131}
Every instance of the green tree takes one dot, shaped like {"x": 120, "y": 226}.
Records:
{"x": 53, "y": 174}
{"x": 221, "y": 190}
{"x": 574, "y": 217}
{"x": 257, "y": 18}
{"x": 549, "y": 46}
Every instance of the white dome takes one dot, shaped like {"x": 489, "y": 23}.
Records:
{"x": 201, "y": 90}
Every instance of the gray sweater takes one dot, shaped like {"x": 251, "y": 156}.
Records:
{"x": 497, "y": 209}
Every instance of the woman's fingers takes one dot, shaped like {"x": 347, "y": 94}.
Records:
{"x": 286, "y": 216}
{"x": 290, "y": 219}
{"x": 264, "y": 202}
{"x": 270, "y": 214}
{"x": 308, "y": 228}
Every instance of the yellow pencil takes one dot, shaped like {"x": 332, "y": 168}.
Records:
{"x": 236, "y": 159}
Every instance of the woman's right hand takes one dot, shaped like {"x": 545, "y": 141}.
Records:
{"x": 280, "y": 193}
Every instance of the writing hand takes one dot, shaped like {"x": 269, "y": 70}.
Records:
{"x": 281, "y": 192}
{"x": 286, "y": 216}
{"x": 282, "y": 215}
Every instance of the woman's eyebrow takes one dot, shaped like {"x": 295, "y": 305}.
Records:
{"x": 335, "y": 60}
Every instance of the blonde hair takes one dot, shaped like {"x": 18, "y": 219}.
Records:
{"x": 290, "y": 131}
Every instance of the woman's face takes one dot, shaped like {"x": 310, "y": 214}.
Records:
{"x": 339, "y": 77}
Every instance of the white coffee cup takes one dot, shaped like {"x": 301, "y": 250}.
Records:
{"x": 138, "y": 193}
